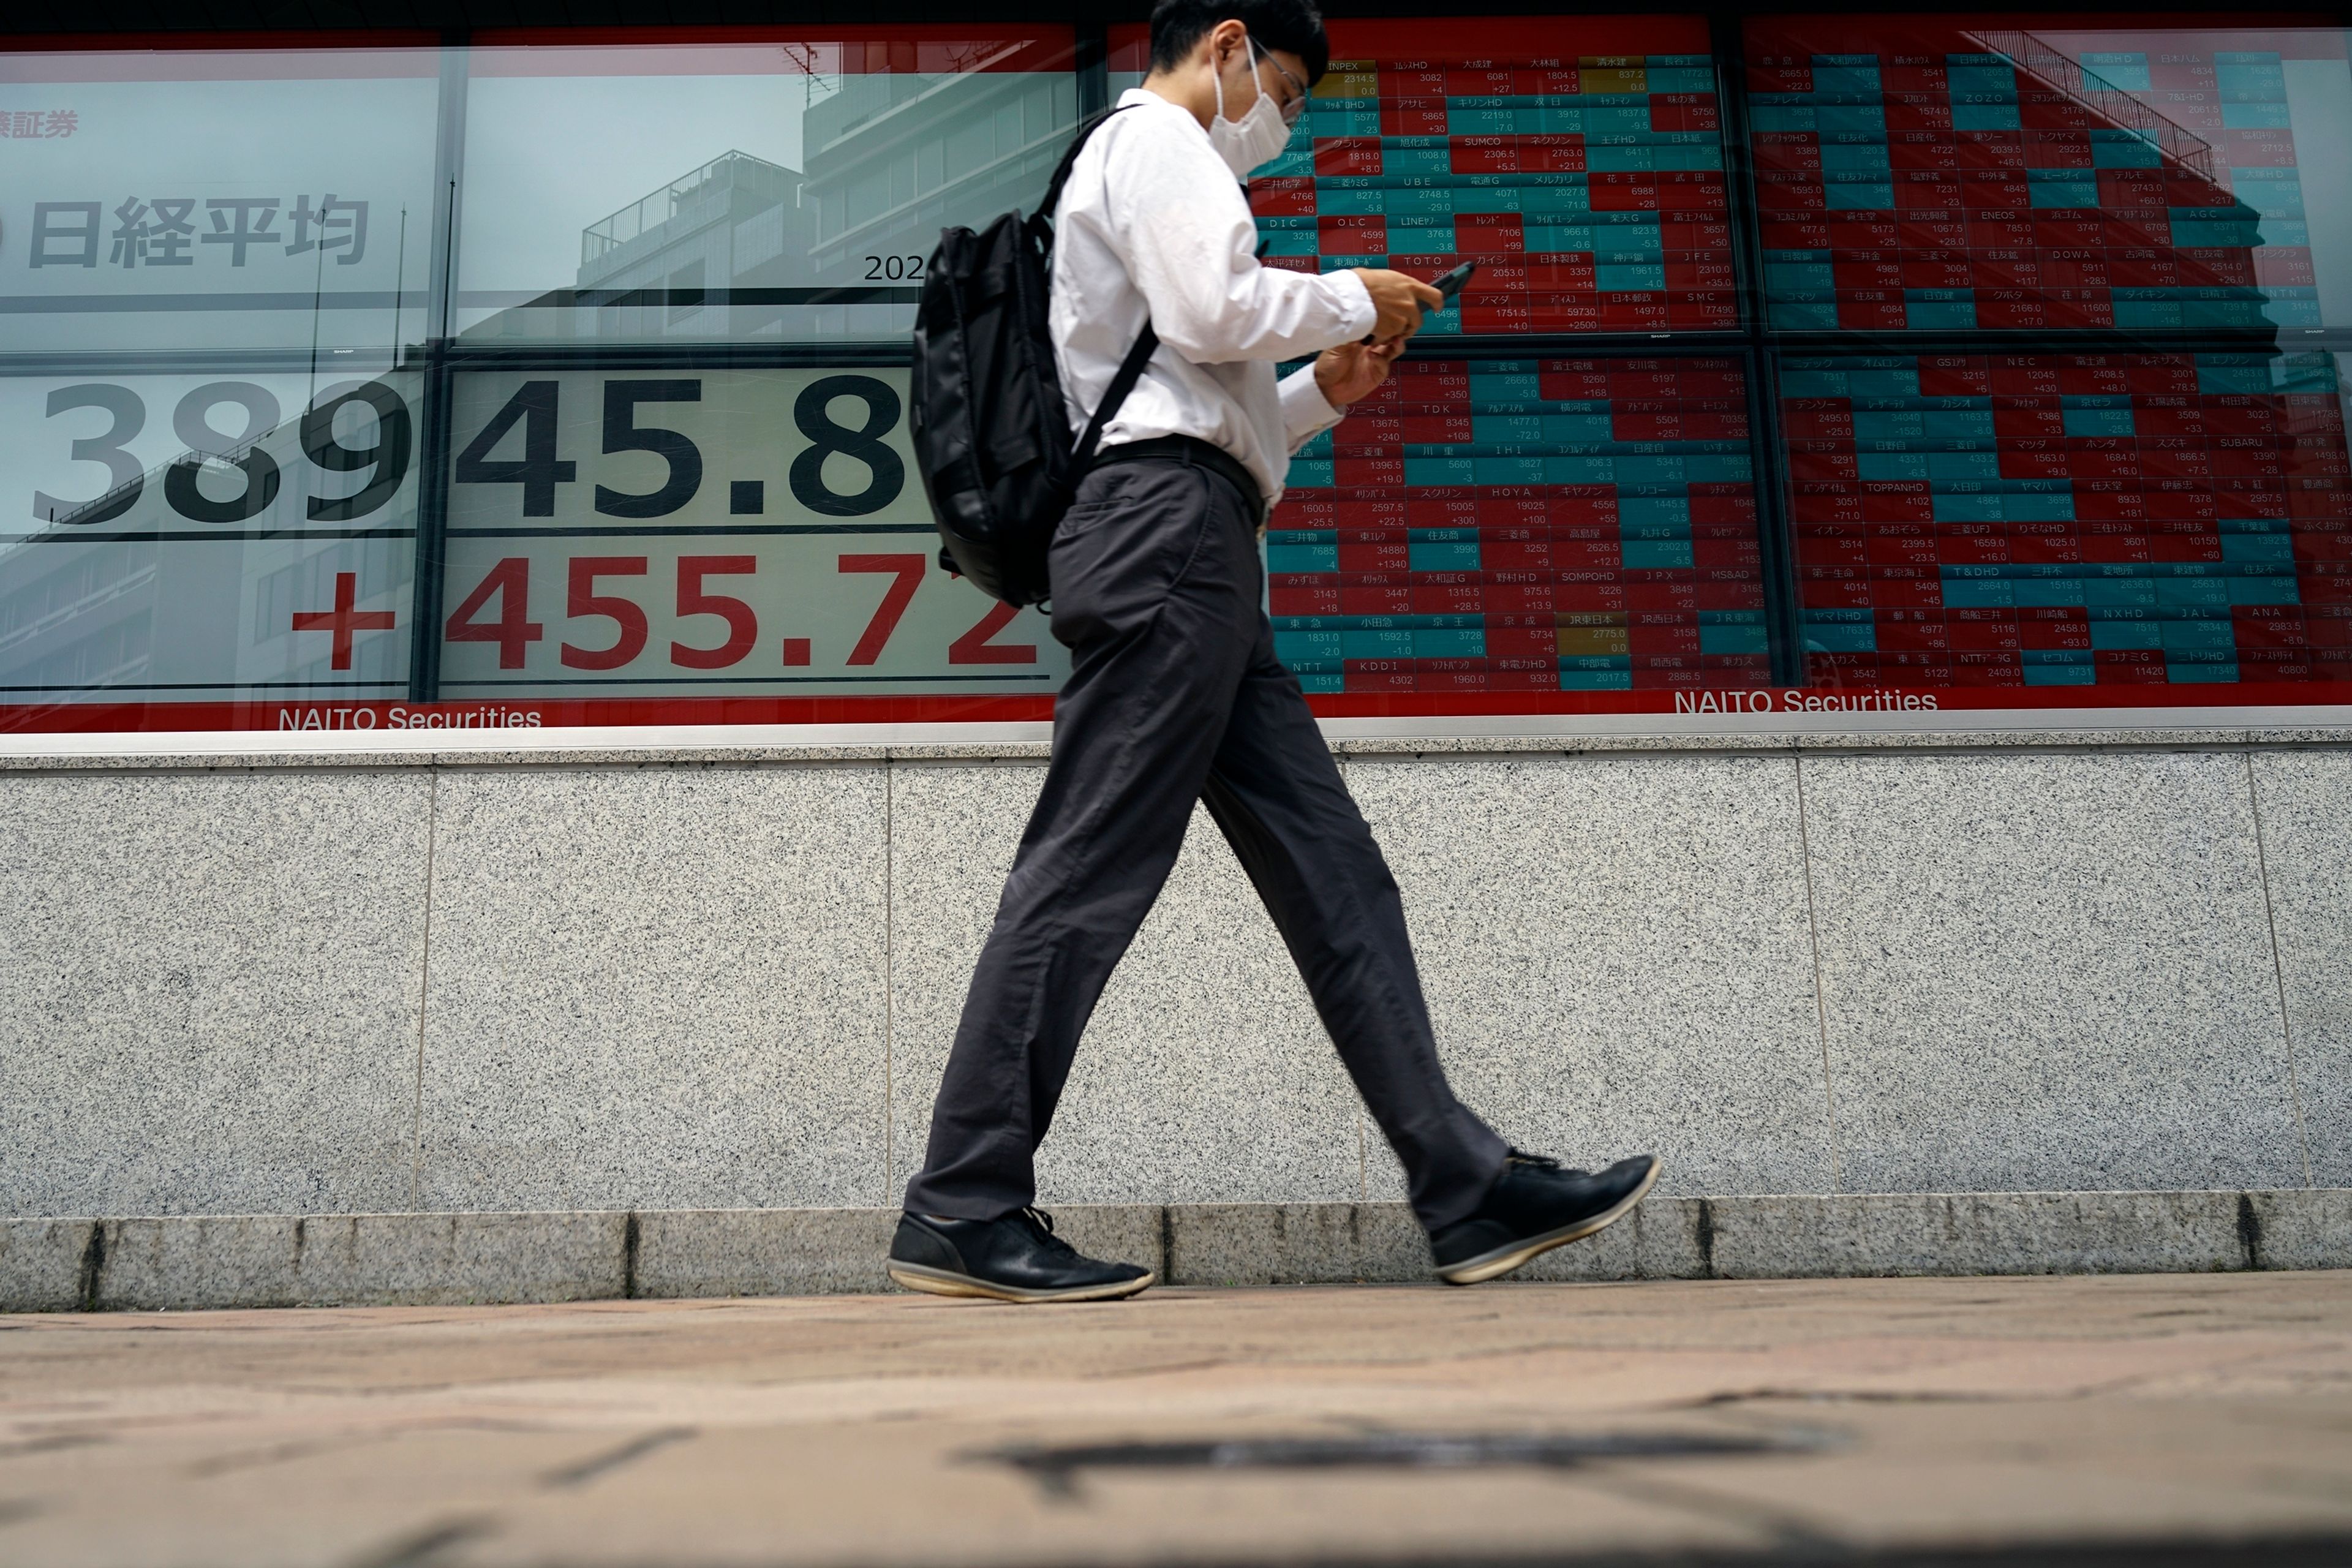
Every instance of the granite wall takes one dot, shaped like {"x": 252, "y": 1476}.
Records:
{"x": 716, "y": 980}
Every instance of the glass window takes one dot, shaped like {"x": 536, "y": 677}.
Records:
{"x": 1580, "y": 160}
{"x": 2116, "y": 521}
{"x": 1943, "y": 174}
{"x": 563, "y": 378}
{"x": 807, "y": 177}
{"x": 217, "y": 266}
{"x": 193, "y": 199}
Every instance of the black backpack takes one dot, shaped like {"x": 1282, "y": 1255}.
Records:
{"x": 990, "y": 427}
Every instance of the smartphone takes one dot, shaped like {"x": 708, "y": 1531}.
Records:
{"x": 1451, "y": 281}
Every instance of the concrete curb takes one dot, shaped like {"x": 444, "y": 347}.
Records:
{"x": 284, "y": 1260}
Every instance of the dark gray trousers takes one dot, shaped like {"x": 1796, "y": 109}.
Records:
{"x": 1175, "y": 695}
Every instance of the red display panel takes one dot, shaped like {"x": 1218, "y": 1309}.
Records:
{"x": 1579, "y": 160}
{"x": 1999, "y": 173}
{"x": 2071, "y": 520}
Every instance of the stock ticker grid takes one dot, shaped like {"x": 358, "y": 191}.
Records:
{"x": 1960, "y": 521}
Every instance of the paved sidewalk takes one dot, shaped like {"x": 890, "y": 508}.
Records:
{"x": 2169, "y": 1419}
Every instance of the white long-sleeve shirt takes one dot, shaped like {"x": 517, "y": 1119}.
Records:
{"x": 1151, "y": 223}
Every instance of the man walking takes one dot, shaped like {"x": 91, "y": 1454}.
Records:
{"x": 1175, "y": 694}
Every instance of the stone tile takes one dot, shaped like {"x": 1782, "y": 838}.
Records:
{"x": 2306, "y": 1228}
{"x": 45, "y": 1264}
{"x": 395, "y": 1260}
{"x": 1205, "y": 1078}
{"x": 1615, "y": 953}
{"x": 212, "y": 990}
{"x": 2306, "y": 807}
{"x": 657, "y": 988}
{"x": 2048, "y": 971}
{"x": 1975, "y": 1233}
{"x": 764, "y": 1252}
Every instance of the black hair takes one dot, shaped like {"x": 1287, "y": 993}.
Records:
{"x": 1293, "y": 26}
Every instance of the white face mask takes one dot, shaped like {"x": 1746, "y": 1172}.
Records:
{"x": 1257, "y": 136}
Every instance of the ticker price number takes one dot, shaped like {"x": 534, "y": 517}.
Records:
{"x": 629, "y": 504}
{"x": 246, "y": 453}
{"x": 535, "y": 408}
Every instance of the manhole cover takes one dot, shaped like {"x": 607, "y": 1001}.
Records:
{"x": 1056, "y": 1469}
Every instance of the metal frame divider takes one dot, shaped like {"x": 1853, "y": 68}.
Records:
{"x": 433, "y": 449}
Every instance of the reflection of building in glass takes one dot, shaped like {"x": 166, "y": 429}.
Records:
{"x": 74, "y": 618}
{"x": 737, "y": 222}
{"x": 893, "y": 157}
{"x": 96, "y": 606}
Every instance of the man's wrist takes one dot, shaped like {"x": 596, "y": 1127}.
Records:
{"x": 1324, "y": 376}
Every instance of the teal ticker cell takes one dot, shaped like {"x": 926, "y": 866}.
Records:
{"x": 2061, "y": 675}
{"x": 1732, "y": 640}
{"x": 1444, "y": 557}
{"x": 1803, "y": 316}
{"x": 1984, "y": 116}
{"x": 1859, "y": 197}
{"x": 2192, "y": 590}
{"x": 2181, "y": 636}
{"x": 1322, "y": 684}
{"x": 1845, "y": 79}
{"x": 1964, "y": 468}
{"x": 2098, "y": 421}
{"x": 1596, "y": 681}
{"x": 1835, "y": 118}
{"x": 1295, "y": 649}
{"x": 1845, "y": 157}
{"x": 1362, "y": 644}
{"x": 1656, "y": 554}
{"x": 2261, "y": 547}
{"x": 2180, "y": 673}
{"x": 2116, "y": 635}
{"x": 1974, "y": 83}
{"x": 1449, "y": 642}
{"x": 1891, "y": 466}
{"x": 1622, "y": 279}
{"x": 1793, "y": 275}
{"x": 2075, "y": 193}
{"x": 2255, "y": 117}
{"x": 1310, "y": 473}
{"x": 1924, "y": 316}
{"x": 1970, "y": 424}
{"x": 2279, "y": 590}
{"x": 2118, "y": 70}
{"x": 1642, "y": 511}
{"x": 2128, "y": 153}
{"x": 1862, "y": 637}
{"x": 1302, "y": 557}
{"x": 2119, "y": 594}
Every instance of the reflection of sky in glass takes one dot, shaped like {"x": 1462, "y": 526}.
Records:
{"x": 548, "y": 156}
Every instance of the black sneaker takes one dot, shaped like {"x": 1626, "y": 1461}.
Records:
{"x": 1534, "y": 1206}
{"x": 1017, "y": 1257}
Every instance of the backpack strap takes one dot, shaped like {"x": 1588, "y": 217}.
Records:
{"x": 1053, "y": 197}
{"x": 1130, "y": 371}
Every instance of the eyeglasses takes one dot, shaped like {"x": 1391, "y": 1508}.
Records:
{"x": 1293, "y": 106}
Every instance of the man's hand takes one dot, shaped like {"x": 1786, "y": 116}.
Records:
{"x": 1399, "y": 301}
{"x": 1351, "y": 371}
